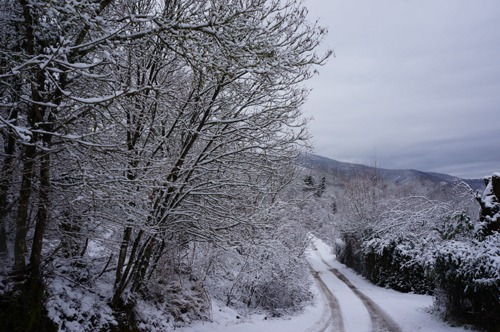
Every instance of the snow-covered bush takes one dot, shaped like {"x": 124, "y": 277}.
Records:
{"x": 179, "y": 302}
{"x": 467, "y": 270}
{"x": 76, "y": 307}
{"x": 348, "y": 249}
{"x": 489, "y": 220}
{"x": 397, "y": 263}
{"x": 404, "y": 260}
{"x": 468, "y": 277}
{"x": 260, "y": 277}
{"x": 425, "y": 245}
{"x": 266, "y": 271}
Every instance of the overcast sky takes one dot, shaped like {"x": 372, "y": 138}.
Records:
{"x": 414, "y": 84}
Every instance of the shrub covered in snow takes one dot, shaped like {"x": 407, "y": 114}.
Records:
{"x": 404, "y": 260}
{"x": 467, "y": 271}
{"x": 75, "y": 307}
{"x": 266, "y": 273}
{"x": 397, "y": 263}
{"x": 434, "y": 248}
{"x": 468, "y": 277}
{"x": 489, "y": 220}
{"x": 176, "y": 303}
{"x": 348, "y": 249}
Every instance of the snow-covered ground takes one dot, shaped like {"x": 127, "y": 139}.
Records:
{"x": 409, "y": 312}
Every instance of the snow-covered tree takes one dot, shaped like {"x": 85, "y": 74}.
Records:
{"x": 489, "y": 202}
{"x": 132, "y": 127}
{"x": 360, "y": 203}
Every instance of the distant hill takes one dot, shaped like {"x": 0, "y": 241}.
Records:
{"x": 396, "y": 176}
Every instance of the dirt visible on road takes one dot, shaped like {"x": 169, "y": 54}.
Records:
{"x": 336, "y": 319}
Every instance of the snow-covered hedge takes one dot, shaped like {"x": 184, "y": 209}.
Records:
{"x": 467, "y": 271}
{"x": 404, "y": 259}
{"x": 455, "y": 257}
{"x": 468, "y": 277}
{"x": 348, "y": 249}
{"x": 397, "y": 263}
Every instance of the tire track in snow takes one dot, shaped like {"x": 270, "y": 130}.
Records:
{"x": 333, "y": 304}
{"x": 381, "y": 322}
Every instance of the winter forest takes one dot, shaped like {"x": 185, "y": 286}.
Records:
{"x": 154, "y": 160}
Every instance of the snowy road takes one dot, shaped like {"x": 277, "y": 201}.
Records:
{"x": 355, "y": 303}
{"x": 344, "y": 302}
{"x": 366, "y": 307}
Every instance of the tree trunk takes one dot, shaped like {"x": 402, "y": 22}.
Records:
{"x": 123, "y": 253}
{"x": 6, "y": 177}
{"x": 143, "y": 265}
{"x": 35, "y": 117}
{"x": 3, "y": 236}
{"x": 23, "y": 208}
{"x": 42, "y": 216}
{"x": 121, "y": 283}
{"x": 6, "y": 183}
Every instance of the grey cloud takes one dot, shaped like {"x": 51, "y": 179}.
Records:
{"x": 416, "y": 81}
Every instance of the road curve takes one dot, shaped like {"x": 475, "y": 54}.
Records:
{"x": 381, "y": 322}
